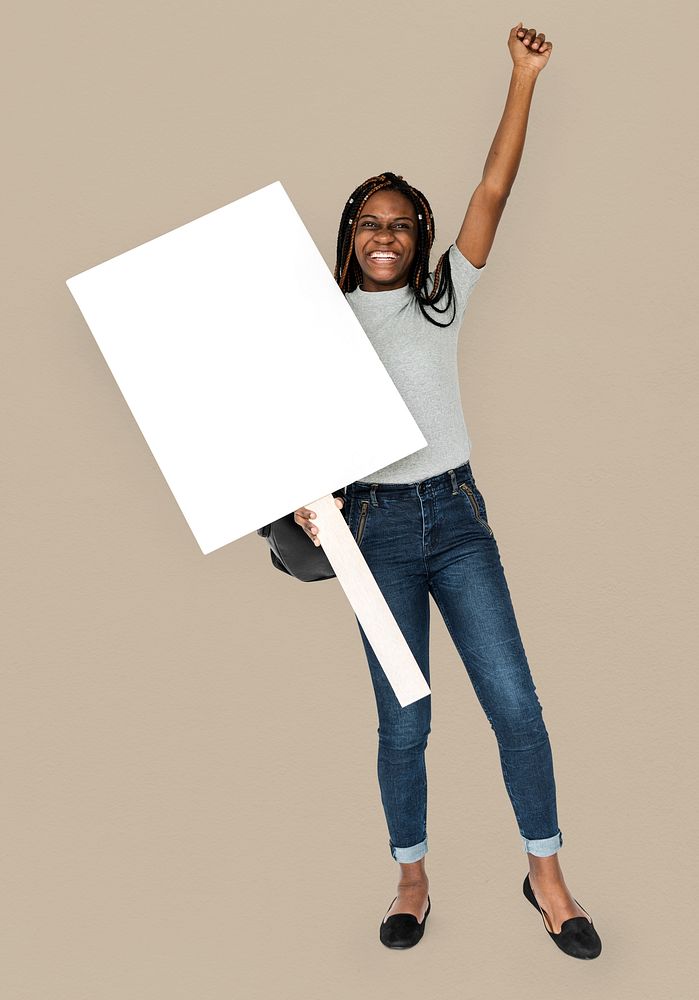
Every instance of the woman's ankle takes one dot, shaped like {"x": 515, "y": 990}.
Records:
{"x": 413, "y": 873}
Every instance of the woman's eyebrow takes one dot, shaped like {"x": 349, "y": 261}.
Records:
{"x": 397, "y": 218}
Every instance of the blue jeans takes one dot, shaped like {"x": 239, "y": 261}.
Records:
{"x": 433, "y": 537}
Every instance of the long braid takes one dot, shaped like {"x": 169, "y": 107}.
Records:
{"x": 348, "y": 273}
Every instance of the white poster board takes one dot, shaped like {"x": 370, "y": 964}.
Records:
{"x": 246, "y": 370}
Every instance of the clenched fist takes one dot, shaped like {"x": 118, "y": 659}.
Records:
{"x": 528, "y": 49}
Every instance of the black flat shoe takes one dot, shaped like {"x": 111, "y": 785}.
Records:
{"x": 577, "y": 936}
{"x": 402, "y": 930}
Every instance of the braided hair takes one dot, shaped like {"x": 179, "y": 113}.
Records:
{"x": 348, "y": 273}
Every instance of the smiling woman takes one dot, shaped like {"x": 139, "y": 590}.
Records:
{"x": 423, "y": 527}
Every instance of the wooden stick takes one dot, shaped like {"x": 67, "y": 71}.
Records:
{"x": 368, "y": 603}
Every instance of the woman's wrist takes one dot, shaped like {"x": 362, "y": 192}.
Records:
{"x": 524, "y": 73}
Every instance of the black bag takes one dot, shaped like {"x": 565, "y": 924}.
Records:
{"x": 293, "y": 552}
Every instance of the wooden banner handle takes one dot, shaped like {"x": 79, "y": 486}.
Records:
{"x": 368, "y": 603}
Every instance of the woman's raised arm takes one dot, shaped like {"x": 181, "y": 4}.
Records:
{"x": 530, "y": 53}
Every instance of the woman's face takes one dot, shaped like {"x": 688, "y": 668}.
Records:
{"x": 388, "y": 227}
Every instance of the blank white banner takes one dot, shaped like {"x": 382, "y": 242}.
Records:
{"x": 246, "y": 370}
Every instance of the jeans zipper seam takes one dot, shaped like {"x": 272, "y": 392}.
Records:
{"x": 362, "y": 520}
{"x": 474, "y": 503}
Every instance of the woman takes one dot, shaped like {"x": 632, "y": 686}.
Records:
{"x": 422, "y": 525}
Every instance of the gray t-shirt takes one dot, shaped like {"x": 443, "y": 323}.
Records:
{"x": 422, "y": 361}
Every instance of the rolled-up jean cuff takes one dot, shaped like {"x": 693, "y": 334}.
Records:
{"x": 542, "y": 848}
{"x": 404, "y": 855}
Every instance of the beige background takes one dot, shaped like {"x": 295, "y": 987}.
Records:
{"x": 180, "y": 819}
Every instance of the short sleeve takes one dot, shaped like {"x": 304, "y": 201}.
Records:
{"x": 464, "y": 275}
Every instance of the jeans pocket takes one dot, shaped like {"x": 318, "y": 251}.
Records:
{"x": 478, "y": 504}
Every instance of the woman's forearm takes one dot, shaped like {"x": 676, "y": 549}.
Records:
{"x": 502, "y": 161}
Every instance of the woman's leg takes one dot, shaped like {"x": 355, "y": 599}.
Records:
{"x": 390, "y": 534}
{"x": 468, "y": 583}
